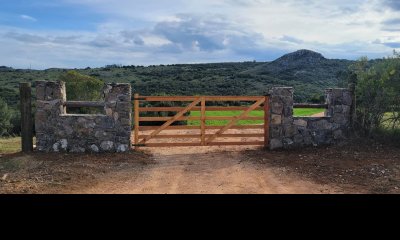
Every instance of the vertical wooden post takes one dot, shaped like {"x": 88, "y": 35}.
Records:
{"x": 136, "y": 118}
{"x": 203, "y": 121}
{"x": 26, "y": 117}
{"x": 266, "y": 121}
{"x": 352, "y": 88}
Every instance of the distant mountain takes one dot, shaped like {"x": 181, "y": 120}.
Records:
{"x": 304, "y": 66}
{"x": 299, "y": 58}
{"x": 307, "y": 71}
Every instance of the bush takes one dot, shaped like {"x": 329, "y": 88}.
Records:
{"x": 82, "y": 88}
{"x": 5, "y": 119}
{"x": 377, "y": 91}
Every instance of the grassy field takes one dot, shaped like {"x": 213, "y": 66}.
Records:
{"x": 388, "y": 124}
{"x": 304, "y": 112}
{"x": 297, "y": 112}
{"x": 10, "y": 145}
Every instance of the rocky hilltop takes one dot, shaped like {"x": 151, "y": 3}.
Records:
{"x": 300, "y": 57}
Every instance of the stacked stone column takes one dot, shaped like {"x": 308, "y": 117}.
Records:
{"x": 287, "y": 131}
{"x": 281, "y": 122}
{"x": 49, "y": 106}
{"x": 58, "y": 131}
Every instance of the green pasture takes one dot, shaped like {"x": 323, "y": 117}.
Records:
{"x": 297, "y": 112}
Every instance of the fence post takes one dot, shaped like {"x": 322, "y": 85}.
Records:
{"x": 266, "y": 121}
{"x": 26, "y": 117}
{"x": 353, "y": 117}
{"x": 136, "y": 119}
{"x": 203, "y": 121}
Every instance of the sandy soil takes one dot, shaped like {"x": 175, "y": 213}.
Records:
{"x": 321, "y": 114}
{"x": 219, "y": 170}
{"x": 355, "y": 168}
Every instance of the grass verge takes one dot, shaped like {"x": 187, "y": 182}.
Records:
{"x": 297, "y": 113}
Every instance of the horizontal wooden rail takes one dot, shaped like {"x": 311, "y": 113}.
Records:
{"x": 177, "y": 109}
{"x": 232, "y": 118}
{"x": 246, "y": 135}
{"x": 191, "y": 98}
{"x": 260, "y": 143}
{"x": 172, "y": 144}
{"x": 185, "y": 127}
{"x": 76, "y": 104}
{"x": 308, "y": 105}
{"x": 162, "y": 119}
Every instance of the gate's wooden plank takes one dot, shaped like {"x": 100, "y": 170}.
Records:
{"x": 233, "y": 118}
{"x": 177, "y": 127}
{"x": 240, "y": 135}
{"x": 255, "y": 126}
{"x": 169, "y": 98}
{"x": 172, "y": 136}
{"x": 247, "y": 135}
{"x": 266, "y": 121}
{"x": 169, "y": 122}
{"x": 203, "y": 121}
{"x": 232, "y": 98}
{"x": 136, "y": 110}
{"x": 237, "y": 118}
{"x": 260, "y": 143}
{"x": 193, "y": 98}
{"x": 173, "y": 144}
{"x": 177, "y": 109}
{"x": 185, "y": 127}
{"x": 162, "y": 119}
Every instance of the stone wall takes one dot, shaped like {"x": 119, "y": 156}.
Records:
{"x": 58, "y": 131}
{"x": 287, "y": 131}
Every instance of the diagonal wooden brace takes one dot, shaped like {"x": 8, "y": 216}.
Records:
{"x": 237, "y": 118}
{"x": 169, "y": 122}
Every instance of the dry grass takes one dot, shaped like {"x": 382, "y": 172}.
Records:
{"x": 10, "y": 145}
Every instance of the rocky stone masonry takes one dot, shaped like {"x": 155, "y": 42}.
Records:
{"x": 287, "y": 131}
{"x": 57, "y": 131}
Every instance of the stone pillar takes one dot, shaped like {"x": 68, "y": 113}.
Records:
{"x": 339, "y": 102}
{"x": 49, "y": 105}
{"x": 287, "y": 131}
{"x": 58, "y": 131}
{"x": 119, "y": 107}
{"x": 281, "y": 122}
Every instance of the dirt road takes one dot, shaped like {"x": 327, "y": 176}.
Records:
{"x": 217, "y": 171}
{"x": 354, "y": 168}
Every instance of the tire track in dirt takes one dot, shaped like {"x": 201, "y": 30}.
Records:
{"x": 218, "y": 171}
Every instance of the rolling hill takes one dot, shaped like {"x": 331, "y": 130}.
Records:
{"x": 307, "y": 71}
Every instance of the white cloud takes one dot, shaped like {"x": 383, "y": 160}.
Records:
{"x": 178, "y": 31}
{"x": 29, "y": 18}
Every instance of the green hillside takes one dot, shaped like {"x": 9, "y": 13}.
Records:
{"x": 308, "y": 72}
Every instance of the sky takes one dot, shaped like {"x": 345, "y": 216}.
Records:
{"x": 45, "y": 34}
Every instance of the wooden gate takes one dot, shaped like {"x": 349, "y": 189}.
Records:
{"x": 205, "y": 138}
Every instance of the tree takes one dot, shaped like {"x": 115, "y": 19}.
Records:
{"x": 82, "y": 88}
{"x": 377, "y": 91}
{"x": 5, "y": 118}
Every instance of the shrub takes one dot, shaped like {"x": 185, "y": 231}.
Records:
{"x": 377, "y": 91}
{"x": 5, "y": 119}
